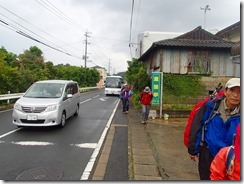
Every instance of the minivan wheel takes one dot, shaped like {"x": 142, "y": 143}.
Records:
{"x": 77, "y": 111}
{"x": 63, "y": 120}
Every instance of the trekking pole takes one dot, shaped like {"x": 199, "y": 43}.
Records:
{"x": 217, "y": 89}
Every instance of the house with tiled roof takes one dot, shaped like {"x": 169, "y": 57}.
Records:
{"x": 232, "y": 33}
{"x": 195, "y": 52}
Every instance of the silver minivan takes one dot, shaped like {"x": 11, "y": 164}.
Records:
{"x": 47, "y": 103}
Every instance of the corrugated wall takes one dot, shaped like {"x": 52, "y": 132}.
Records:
{"x": 176, "y": 61}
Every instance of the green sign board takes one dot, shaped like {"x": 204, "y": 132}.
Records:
{"x": 156, "y": 88}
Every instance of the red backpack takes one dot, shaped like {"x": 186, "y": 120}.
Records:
{"x": 216, "y": 94}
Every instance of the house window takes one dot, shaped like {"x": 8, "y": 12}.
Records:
{"x": 199, "y": 62}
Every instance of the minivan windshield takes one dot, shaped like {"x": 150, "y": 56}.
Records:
{"x": 45, "y": 90}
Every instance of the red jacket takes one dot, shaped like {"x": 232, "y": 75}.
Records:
{"x": 218, "y": 167}
{"x": 146, "y": 97}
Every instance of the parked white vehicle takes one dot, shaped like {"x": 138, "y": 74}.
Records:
{"x": 47, "y": 103}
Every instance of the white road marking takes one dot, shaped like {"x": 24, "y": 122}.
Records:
{"x": 104, "y": 99}
{"x": 33, "y": 143}
{"x": 39, "y": 143}
{"x": 96, "y": 96}
{"x": 1, "y": 136}
{"x": 85, "y": 101}
{"x": 6, "y": 110}
{"x": 91, "y": 162}
{"x": 86, "y": 145}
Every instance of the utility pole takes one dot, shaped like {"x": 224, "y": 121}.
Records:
{"x": 205, "y": 11}
{"x": 85, "y": 57}
{"x": 109, "y": 66}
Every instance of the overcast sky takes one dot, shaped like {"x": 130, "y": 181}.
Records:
{"x": 61, "y": 24}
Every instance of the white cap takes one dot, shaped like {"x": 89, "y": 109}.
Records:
{"x": 232, "y": 83}
{"x": 147, "y": 89}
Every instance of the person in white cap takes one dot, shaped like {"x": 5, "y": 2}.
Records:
{"x": 145, "y": 100}
{"x": 214, "y": 126}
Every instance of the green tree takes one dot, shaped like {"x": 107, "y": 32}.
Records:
{"x": 84, "y": 76}
{"x": 17, "y": 73}
{"x": 8, "y": 75}
{"x": 136, "y": 75}
{"x": 93, "y": 77}
{"x": 8, "y": 57}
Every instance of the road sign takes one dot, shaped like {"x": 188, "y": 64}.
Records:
{"x": 156, "y": 88}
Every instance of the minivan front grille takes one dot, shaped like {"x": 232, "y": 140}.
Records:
{"x": 33, "y": 109}
{"x": 40, "y": 121}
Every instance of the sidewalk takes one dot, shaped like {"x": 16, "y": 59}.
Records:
{"x": 155, "y": 151}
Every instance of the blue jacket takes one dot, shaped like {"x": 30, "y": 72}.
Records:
{"x": 217, "y": 133}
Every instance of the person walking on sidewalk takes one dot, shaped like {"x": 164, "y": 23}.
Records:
{"x": 125, "y": 94}
{"x": 145, "y": 100}
{"x": 213, "y": 127}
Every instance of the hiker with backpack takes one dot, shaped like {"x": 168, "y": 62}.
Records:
{"x": 145, "y": 100}
{"x": 125, "y": 94}
{"x": 226, "y": 164}
{"x": 214, "y": 126}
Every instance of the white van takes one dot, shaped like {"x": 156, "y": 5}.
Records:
{"x": 47, "y": 103}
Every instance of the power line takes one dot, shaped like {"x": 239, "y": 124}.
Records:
{"x": 32, "y": 26}
{"x": 16, "y": 27}
{"x": 33, "y": 38}
{"x": 32, "y": 34}
{"x": 54, "y": 10}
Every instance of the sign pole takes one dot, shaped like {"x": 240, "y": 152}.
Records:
{"x": 157, "y": 90}
{"x": 161, "y": 99}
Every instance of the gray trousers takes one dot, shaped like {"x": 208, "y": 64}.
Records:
{"x": 145, "y": 112}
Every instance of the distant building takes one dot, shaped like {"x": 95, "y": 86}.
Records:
{"x": 232, "y": 33}
{"x": 196, "y": 51}
{"x": 146, "y": 39}
{"x": 103, "y": 74}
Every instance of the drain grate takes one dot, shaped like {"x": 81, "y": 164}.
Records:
{"x": 41, "y": 173}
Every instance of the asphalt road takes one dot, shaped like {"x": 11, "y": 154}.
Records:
{"x": 51, "y": 153}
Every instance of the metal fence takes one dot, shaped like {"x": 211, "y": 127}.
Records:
{"x": 18, "y": 95}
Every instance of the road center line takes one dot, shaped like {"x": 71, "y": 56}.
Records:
{"x": 85, "y": 101}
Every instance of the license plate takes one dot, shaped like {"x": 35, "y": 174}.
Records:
{"x": 32, "y": 117}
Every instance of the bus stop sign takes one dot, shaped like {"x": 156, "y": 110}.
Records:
{"x": 156, "y": 88}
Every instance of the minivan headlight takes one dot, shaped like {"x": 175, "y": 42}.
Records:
{"x": 51, "y": 107}
{"x": 17, "y": 107}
